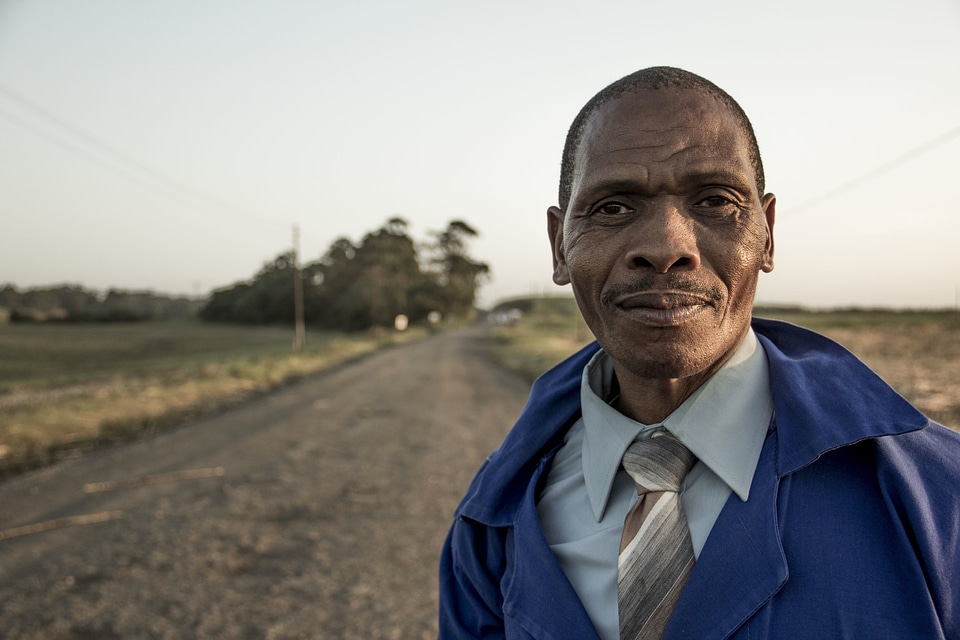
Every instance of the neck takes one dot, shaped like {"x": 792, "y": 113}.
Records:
{"x": 650, "y": 401}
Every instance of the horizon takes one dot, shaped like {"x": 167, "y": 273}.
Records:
{"x": 564, "y": 294}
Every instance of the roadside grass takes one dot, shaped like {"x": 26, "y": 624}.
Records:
{"x": 916, "y": 351}
{"x": 549, "y": 330}
{"x": 68, "y": 388}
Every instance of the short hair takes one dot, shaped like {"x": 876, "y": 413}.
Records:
{"x": 651, "y": 79}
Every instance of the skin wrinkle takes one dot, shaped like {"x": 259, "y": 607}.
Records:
{"x": 687, "y": 241}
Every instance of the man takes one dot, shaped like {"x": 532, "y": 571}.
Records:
{"x": 819, "y": 504}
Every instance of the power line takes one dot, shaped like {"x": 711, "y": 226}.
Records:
{"x": 117, "y": 156}
{"x": 79, "y": 151}
{"x": 914, "y": 153}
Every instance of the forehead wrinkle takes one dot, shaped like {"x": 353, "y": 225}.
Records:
{"x": 616, "y": 175}
{"x": 674, "y": 139}
{"x": 672, "y": 151}
{"x": 618, "y": 166}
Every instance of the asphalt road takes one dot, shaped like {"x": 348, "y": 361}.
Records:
{"x": 315, "y": 512}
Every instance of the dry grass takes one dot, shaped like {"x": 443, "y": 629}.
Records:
{"x": 67, "y": 388}
{"x": 550, "y": 330}
{"x": 916, "y": 352}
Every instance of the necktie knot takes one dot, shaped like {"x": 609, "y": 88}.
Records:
{"x": 658, "y": 463}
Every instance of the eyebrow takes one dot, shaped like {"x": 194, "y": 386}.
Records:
{"x": 731, "y": 179}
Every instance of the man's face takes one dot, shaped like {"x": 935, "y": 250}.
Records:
{"x": 665, "y": 233}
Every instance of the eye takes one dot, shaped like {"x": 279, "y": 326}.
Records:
{"x": 612, "y": 209}
{"x": 714, "y": 201}
{"x": 717, "y": 204}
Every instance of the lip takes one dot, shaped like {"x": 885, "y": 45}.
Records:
{"x": 663, "y": 308}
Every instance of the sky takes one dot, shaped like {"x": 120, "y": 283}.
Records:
{"x": 173, "y": 145}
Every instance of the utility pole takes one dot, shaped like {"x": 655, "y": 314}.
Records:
{"x": 299, "y": 337}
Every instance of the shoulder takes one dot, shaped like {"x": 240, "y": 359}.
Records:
{"x": 921, "y": 472}
{"x": 915, "y": 476}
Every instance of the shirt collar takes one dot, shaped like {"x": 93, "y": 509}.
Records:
{"x": 724, "y": 422}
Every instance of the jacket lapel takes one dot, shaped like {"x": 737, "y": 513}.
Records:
{"x": 742, "y": 564}
{"x": 537, "y": 593}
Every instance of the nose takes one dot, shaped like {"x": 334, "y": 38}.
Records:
{"x": 663, "y": 240}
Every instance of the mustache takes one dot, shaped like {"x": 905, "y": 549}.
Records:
{"x": 671, "y": 282}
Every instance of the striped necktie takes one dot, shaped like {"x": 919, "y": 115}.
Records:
{"x": 656, "y": 555}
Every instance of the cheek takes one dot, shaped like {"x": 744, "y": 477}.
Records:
{"x": 755, "y": 239}
{"x": 589, "y": 259}
{"x": 588, "y": 274}
{"x": 744, "y": 261}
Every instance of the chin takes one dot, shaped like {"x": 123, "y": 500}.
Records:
{"x": 664, "y": 370}
{"x": 668, "y": 353}
{"x": 659, "y": 359}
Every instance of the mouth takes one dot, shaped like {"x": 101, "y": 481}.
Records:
{"x": 663, "y": 308}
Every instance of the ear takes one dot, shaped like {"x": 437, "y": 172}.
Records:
{"x": 555, "y": 232}
{"x": 769, "y": 204}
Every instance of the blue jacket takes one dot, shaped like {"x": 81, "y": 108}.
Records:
{"x": 852, "y": 528}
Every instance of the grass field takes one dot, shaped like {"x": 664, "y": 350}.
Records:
{"x": 916, "y": 352}
{"x": 65, "y": 388}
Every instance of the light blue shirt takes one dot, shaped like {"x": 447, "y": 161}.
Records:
{"x": 587, "y": 493}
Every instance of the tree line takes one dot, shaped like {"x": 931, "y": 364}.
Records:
{"x": 356, "y": 286}
{"x": 73, "y": 303}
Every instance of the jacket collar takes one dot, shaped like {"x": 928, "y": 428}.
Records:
{"x": 808, "y": 376}
{"x": 812, "y": 381}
